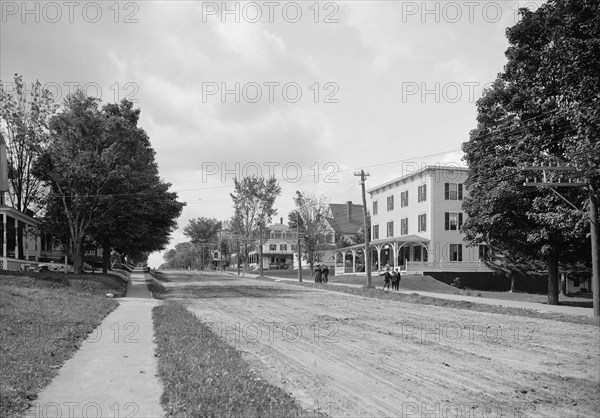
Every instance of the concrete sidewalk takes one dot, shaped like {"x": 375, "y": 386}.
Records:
{"x": 571, "y": 310}
{"x": 113, "y": 372}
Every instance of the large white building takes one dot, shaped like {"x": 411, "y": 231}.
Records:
{"x": 415, "y": 224}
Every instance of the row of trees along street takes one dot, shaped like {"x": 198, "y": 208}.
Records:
{"x": 88, "y": 171}
{"x": 542, "y": 110}
{"x": 253, "y": 203}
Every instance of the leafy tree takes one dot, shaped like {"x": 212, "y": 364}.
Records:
{"x": 101, "y": 170}
{"x": 310, "y": 216}
{"x": 542, "y": 109}
{"x": 203, "y": 231}
{"x": 143, "y": 212}
{"x": 79, "y": 167}
{"x": 253, "y": 200}
{"x": 180, "y": 257}
{"x": 24, "y": 116}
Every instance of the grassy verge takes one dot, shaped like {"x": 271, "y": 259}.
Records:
{"x": 204, "y": 376}
{"x": 418, "y": 299}
{"x": 43, "y": 319}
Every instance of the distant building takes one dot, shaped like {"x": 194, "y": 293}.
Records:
{"x": 279, "y": 248}
{"x": 415, "y": 225}
{"x": 345, "y": 221}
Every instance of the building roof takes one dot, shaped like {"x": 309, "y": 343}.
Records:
{"x": 346, "y": 218}
{"x": 278, "y": 227}
{"x": 411, "y": 175}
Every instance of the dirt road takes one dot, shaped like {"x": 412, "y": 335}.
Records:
{"x": 354, "y": 356}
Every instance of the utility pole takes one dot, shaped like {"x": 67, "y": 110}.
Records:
{"x": 237, "y": 244}
{"x": 260, "y": 249}
{"x": 299, "y": 247}
{"x": 593, "y": 215}
{"x": 221, "y": 248}
{"x": 366, "y": 227}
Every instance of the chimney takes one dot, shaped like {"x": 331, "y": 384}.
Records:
{"x": 349, "y": 209}
{"x": 281, "y": 221}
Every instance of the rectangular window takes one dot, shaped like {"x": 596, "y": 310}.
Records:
{"x": 294, "y": 247}
{"x": 390, "y": 229}
{"x": 272, "y": 247}
{"x": 453, "y": 191}
{"x": 375, "y": 208}
{"x": 422, "y": 194}
{"x": 484, "y": 252}
{"x": 453, "y": 221}
{"x": 404, "y": 226}
{"x": 404, "y": 199}
{"x": 422, "y": 222}
{"x": 283, "y": 247}
{"x": 375, "y": 231}
{"x": 455, "y": 252}
{"x": 390, "y": 203}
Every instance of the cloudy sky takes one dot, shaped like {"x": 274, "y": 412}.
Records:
{"x": 308, "y": 91}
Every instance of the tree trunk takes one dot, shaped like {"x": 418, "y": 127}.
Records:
{"x": 512, "y": 284}
{"x": 105, "y": 256}
{"x": 553, "y": 279}
{"x": 77, "y": 255}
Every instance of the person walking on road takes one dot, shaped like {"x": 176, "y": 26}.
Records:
{"x": 325, "y": 273}
{"x": 395, "y": 279}
{"x": 318, "y": 278}
{"x": 387, "y": 277}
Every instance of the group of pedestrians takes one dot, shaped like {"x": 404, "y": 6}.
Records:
{"x": 321, "y": 273}
{"x": 391, "y": 276}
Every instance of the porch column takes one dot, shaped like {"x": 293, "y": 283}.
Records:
{"x": 354, "y": 250}
{"x": 4, "y": 238}
{"x": 25, "y": 238}
{"x": 38, "y": 247}
{"x": 395, "y": 254}
{"x": 17, "y": 238}
{"x": 378, "y": 247}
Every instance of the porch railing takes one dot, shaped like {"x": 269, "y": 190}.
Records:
{"x": 14, "y": 264}
{"x": 465, "y": 266}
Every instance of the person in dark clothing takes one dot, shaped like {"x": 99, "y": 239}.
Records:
{"x": 387, "y": 277}
{"x": 395, "y": 280}
{"x": 325, "y": 273}
{"x": 318, "y": 278}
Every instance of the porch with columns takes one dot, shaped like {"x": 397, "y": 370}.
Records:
{"x": 14, "y": 256}
{"x": 396, "y": 252}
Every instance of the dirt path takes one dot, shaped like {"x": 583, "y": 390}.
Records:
{"x": 354, "y": 356}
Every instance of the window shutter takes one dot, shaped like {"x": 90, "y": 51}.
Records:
{"x": 459, "y": 252}
{"x": 460, "y": 191}
{"x": 460, "y": 219}
{"x": 447, "y": 191}
{"x": 447, "y": 219}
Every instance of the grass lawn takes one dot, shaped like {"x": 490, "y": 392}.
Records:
{"x": 43, "y": 319}
{"x": 429, "y": 284}
{"x": 203, "y": 376}
{"x": 378, "y": 293}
